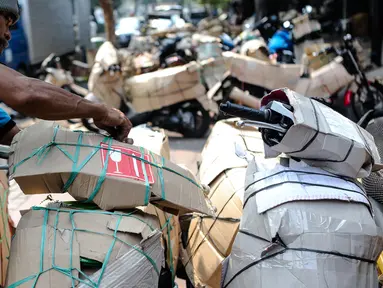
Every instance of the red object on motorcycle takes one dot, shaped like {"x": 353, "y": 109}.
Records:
{"x": 347, "y": 98}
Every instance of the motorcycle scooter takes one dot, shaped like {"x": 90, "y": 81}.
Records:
{"x": 258, "y": 247}
{"x": 106, "y": 85}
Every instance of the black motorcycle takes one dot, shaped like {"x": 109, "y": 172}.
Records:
{"x": 354, "y": 102}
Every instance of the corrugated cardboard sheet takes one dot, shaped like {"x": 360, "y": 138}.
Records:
{"x": 213, "y": 71}
{"x": 209, "y": 240}
{"x": 323, "y": 138}
{"x": 304, "y": 26}
{"x": 52, "y": 246}
{"x": 224, "y": 148}
{"x": 307, "y": 240}
{"x": 47, "y": 158}
{"x": 152, "y": 91}
{"x": 153, "y": 139}
{"x": 325, "y": 81}
{"x": 5, "y": 227}
{"x": 262, "y": 73}
{"x": 157, "y": 141}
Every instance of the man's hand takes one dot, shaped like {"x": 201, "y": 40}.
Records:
{"x": 116, "y": 124}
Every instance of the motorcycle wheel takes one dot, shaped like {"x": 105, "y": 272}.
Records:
{"x": 195, "y": 120}
{"x": 359, "y": 99}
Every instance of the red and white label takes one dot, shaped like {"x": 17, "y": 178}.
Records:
{"x": 122, "y": 164}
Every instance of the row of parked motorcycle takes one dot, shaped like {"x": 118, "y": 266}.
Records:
{"x": 270, "y": 43}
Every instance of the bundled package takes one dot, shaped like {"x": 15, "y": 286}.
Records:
{"x": 152, "y": 91}
{"x": 60, "y": 246}
{"x": 323, "y": 138}
{"x": 304, "y": 26}
{"x": 325, "y": 81}
{"x": 261, "y": 73}
{"x": 48, "y": 159}
{"x": 317, "y": 55}
{"x": 105, "y": 86}
{"x": 306, "y": 32}
{"x": 213, "y": 71}
{"x": 5, "y": 228}
{"x": 152, "y": 139}
{"x": 157, "y": 141}
{"x": 303, "y": 227}
{"x": 207, "y": 241}
{"x": 256, "y": 48}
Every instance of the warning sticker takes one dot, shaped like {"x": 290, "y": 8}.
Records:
{"x": 122, "y": 164}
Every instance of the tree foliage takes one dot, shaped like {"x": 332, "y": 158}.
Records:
{"x": 215, "y": 3}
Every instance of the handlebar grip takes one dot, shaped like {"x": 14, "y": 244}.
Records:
{"x": 244, "y": 112}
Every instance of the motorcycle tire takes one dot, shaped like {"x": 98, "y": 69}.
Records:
{"x": 201, "y": 123}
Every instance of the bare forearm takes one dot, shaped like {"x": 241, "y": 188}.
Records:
{"x": 36, "y": 98}
{"x": 48, "y": 102}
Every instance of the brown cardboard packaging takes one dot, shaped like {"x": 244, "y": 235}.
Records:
{"x": 5, "y": 228}
{"x": 105, "y": 86}
{"x": 157, "y": 141}
{"x": 152, "y": 91}
{"x": 210, "y": 239}
{"x": 46, "y": 157}
{"x": 223, "y": 167}
{"x": 304, "y": 26}
{"x": 213, "y": 71}
{"x": 261, "y": 73}
{"x": 50, "y": 240}
{"x": 325, "y": 81}
{"x": 153, "y": 139}
{"x": 323, "y": 138}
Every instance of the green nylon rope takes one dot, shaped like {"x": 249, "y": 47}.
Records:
{"x": 147, "y": 186}
{"x": 69, "y": 271}
{"x": 2, "y": 211}
{"x": 169, "y": 229}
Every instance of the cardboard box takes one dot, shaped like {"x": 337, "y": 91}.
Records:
{"x": 256, "y": 48}
{"x": 300, "y": 48}
{"x": 106, "y": 87}
{"x": 209, "y": 240}
{"x": 325, "y": 81}
{"x": 316, "y": 55}
{"x": 324, "y": 230}
{"x": 47, "y": 158}
{"x": 157, "y": 141}
{"x": 224, "y": 147}
{"x": 170, "y": 234}
{"x": 304, "y": 26}
{"x": 153, "y": 139}
{"x": 50, "y": 240}
{"x": 262, "y": 73}
{"x": 152, "y": 91}
{"x": 323, "y": 138}
{"x": 5, "y": 228}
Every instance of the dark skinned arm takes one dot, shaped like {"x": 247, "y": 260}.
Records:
{"x": 38, "y": 99}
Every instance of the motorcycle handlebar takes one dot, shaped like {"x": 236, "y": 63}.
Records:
{"x": 244, "y": 112}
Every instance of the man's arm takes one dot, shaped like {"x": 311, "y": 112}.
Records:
{"x": 36, "y": 98}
